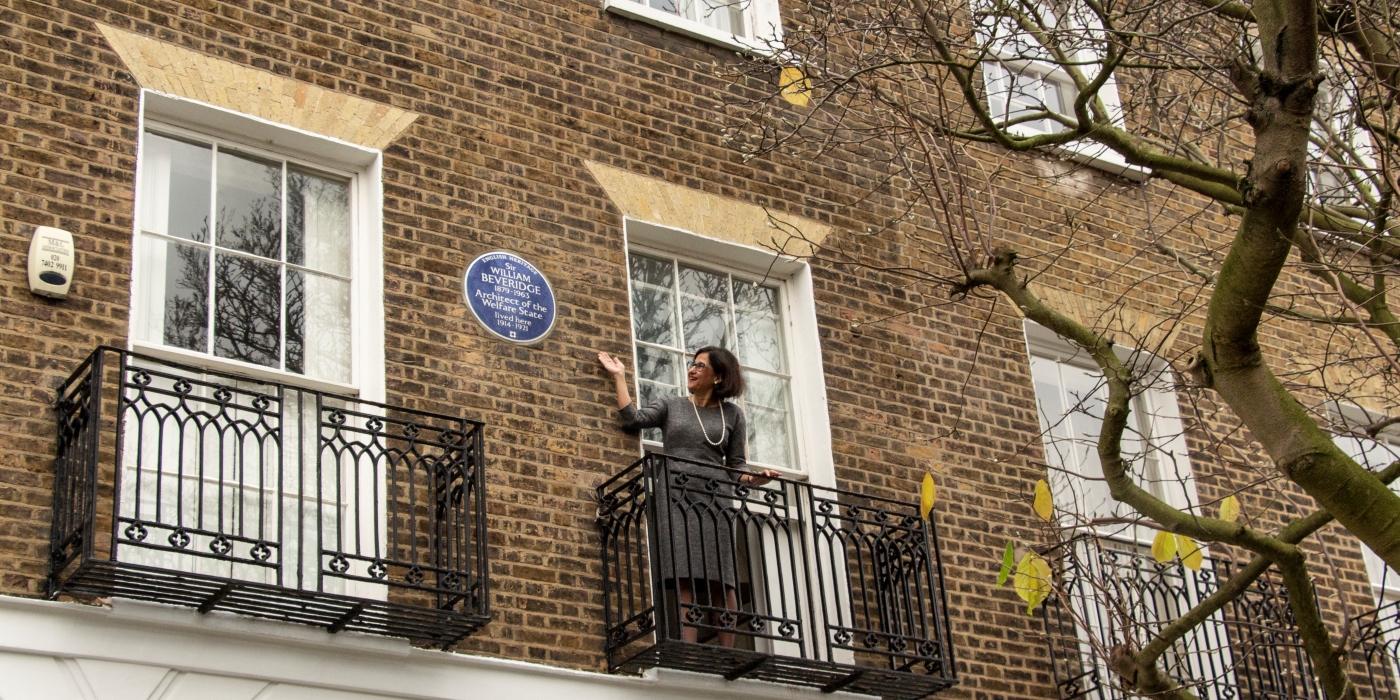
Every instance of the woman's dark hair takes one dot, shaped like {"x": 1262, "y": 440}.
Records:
{"x": 725, "y": 366}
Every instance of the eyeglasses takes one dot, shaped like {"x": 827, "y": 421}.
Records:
{"x": 696, "y": 364}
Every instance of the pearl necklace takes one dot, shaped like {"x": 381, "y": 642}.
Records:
{"x": 724, "y": 425}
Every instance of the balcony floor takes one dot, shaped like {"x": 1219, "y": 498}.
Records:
{"x": 427, "y": 626}
{"x": 829, "y": 677}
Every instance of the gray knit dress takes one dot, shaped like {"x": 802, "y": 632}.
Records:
{"x": 694, "y": 528}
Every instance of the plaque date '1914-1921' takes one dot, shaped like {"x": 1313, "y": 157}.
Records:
{"x": 510, "y": 297}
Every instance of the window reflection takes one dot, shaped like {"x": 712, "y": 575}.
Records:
{"x": 270, "y": 287}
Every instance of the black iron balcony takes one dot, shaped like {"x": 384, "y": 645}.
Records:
{"x": 191, "y": 487}
{"x": 1378, "y": 633}
{"x": 786, "y": 582}
{"x": 1112, "y": 594}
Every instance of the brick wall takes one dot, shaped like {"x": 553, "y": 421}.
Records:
{"x": 513, "y": 97}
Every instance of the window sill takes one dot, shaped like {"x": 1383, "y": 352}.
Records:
{"x": 1094, "y": 155}
{"x": 253, "y": 372}
{"x": 1102, "y": 158}
{"x": 651, "y": 446}
{"x": 690, "y": 28}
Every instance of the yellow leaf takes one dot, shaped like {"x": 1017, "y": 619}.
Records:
{"x": 926, "y": 496}
{"x": 1032, "y": 581}
{"x": 1230, "y": 509}
{"x": 794, "y": 86}
{"x": 1163, "y": 547}
{"x": 1044, "y": 505}
{"x": 1190, "y": 552}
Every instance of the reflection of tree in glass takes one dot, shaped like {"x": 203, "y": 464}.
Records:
{"x": 656, "y": 366}
{"x": 704, "y": 320}
{"x": 756, "y": 326}
{"x": 652, "y": 310}
{"x": 186, "y": 317}
{"x": 248, "y": 293}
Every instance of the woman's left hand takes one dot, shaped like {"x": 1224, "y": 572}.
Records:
{"x": 760, "y": 478}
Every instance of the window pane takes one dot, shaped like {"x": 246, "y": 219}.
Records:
{"x": 250, "y": 205}
{"x": 724, "y": 15}
{"x": 756, "y": 326}
{"x": 247, "y": 310}
{"x": 318, "y": 326}
{"x": 706, "y": 285}
{"x": 1085, "y": 391}
{"x": 995, "y": 78}
{"x": 704, "y": 308}
{"x": 318, "y": 222}
{"x": 1070, "y": 402}
{"x": 768, "y": 438}
{"x": 175, "y": 187}
{"x": 766, "y": 408}
{"x": 1051, "y": 95}
{"x": 1027, "y": 91}
{"x": 705, "y": 323}
{"x": 659, "y": 366}
{"x": 649, "y": 270}
{"x": 1371, "y": 454}
{"x": 649, "y": 393}
{"x": 1046, "y": 374}
{"x": 653, "y": 315}
{"x": 186, "y": 307}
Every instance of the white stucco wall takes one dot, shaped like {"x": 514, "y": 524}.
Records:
{"x": 138, "y": 651}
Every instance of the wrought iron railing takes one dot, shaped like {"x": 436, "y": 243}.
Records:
{"x": 784, "y": 582}
{"x": 1113, "y": 594}
{"x": 193, "y": 487}
{"x": 1378, "y": 634}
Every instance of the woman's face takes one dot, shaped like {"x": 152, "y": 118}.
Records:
{"x": 701, "y": 374}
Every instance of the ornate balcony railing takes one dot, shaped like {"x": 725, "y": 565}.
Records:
{"x": 1378, "y": 634}
{"x": 1113, "y": 594}
{"x": 192, "y": 487}
{"x": 786, "y": 582}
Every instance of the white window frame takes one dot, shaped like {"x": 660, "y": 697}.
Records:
{"x": 811, "y": 427}
{"x": 1158, "y": 403}
{"x": 180, "y": 116}
{"x": 762, "y": 17}
{"x": 1352, "y": 137}
{"x": 258, "y": 136}
{"x": 1385, "y": 584}
{"x": 810, "y": 421}
{"x": 1086, "y": 152}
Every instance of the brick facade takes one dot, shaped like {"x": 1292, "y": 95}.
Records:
{"x": 514, "y": 100}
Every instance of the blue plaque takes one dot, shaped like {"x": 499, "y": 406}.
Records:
{"x": 509, "y": 297}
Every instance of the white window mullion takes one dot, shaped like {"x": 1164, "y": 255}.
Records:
{"x": 213, "y": 245}
{"x": 282, "y": 275}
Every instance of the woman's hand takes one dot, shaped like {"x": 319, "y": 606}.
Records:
{"x": 760, "y": 478}
{"x": 618, "y": 371}
{"x": 613, "y": 365}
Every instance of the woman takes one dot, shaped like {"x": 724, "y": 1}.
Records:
{"x": 701, "y": 428}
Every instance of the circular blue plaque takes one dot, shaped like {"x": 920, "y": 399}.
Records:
{"x": 509, "y": 297}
